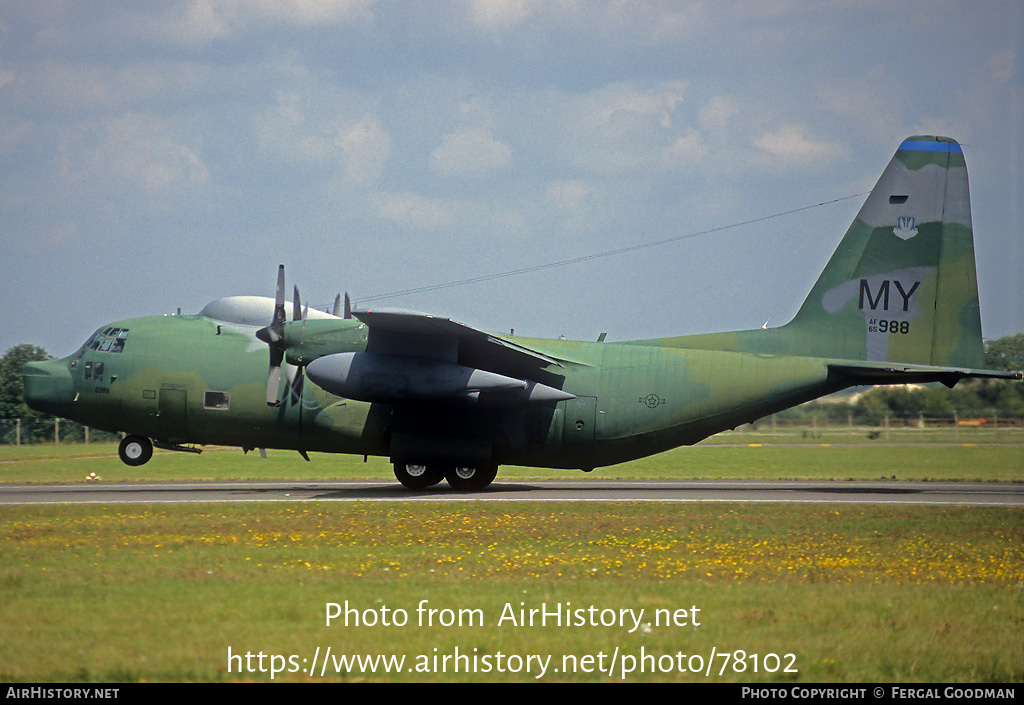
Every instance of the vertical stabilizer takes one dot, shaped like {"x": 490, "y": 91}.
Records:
{"x": 902, "y": 285}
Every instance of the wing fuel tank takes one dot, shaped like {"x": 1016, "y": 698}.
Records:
{"x": 373, "y": 377}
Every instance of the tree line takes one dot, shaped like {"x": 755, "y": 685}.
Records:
{"x": 968, "y": 400}
{"x": 18, "y": 423}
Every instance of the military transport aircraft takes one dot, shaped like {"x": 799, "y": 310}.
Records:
{"x": 897, "y": 302}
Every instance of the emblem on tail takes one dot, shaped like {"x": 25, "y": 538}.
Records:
{"x": 904, "y": 229}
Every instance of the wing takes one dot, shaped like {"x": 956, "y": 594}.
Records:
{"x": 415, "y": 357}
{"x": 418, "y": 334}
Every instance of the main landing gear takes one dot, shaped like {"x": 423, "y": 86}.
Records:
{"x": 135, "y": 450}
{"x": 461, "y": 477}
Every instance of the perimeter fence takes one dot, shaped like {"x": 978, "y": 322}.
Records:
{"x": 53, "y": 431}
{"x": 56, "y": 431}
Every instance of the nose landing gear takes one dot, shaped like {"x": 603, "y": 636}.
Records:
{"x": 135, "y": 450}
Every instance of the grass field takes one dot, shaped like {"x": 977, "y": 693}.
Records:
{"x": 847, "y": 593}
{"x": 838, "y": 453}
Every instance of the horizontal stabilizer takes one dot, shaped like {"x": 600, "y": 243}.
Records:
{"x": 889, "y": 373}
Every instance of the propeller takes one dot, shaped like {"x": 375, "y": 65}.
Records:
{"x": 273, "y": 336}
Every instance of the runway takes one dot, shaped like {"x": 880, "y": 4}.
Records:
{"x": 664, "y": 491}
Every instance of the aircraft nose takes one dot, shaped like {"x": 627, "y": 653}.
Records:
{"x": 48, "y": 387}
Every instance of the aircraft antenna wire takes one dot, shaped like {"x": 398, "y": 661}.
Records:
{"x": 598, "y": 255}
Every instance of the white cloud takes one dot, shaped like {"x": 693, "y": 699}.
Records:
{"x": 658, "y": 21}
{"x": 687, "y": 150}
{"x": 874, "y": 102}
{"x": 718, "y": 114}
{"x": 412, "y": 209}
{"x": 618, "y": 128}
{"x": 495, "y": 15}
{"x": 365, "y": 147}
{"x": 143, "y": 151}
{"x": 202, "y": 21}
{"x": 658, "y": 102}
{"x": 471, "y": 152}
{"x": 569, "y": 194}
{"x": 791, "y": 144}
{"x": 303, "y": 129}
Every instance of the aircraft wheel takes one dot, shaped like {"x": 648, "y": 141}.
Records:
{"x": 416, "y": 476}
{"x": 436, "y": 473}
{"x": 469, "y": 477}
{"x": 135, "y": 450}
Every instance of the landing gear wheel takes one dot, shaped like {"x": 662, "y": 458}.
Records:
{"x": 470, "y": 477}
{"x": 135, "y": 450}
{"x": 417, "y": 476}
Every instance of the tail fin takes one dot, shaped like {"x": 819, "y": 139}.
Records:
{"x": 902, "y": 285}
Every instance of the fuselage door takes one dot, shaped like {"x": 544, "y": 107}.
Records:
{"x": 173, "y": 412}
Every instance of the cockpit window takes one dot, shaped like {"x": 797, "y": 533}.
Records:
{"x": 107, "y": 340}
{"x": 88, "y": 345}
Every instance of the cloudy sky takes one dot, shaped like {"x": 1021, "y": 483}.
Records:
{"x": 159, "y": 155}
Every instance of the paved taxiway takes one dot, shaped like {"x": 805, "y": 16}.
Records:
{"x": 841, "y": 492}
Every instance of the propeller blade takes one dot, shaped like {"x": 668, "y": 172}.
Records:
{"x": 296, "y": 307}
{"x": 279, "y": 316}
{"x": 337, "y": 306}
{"x": 348, "y": 306}
{"x": 272, "y": 335}
{"x": 273, "y": 385}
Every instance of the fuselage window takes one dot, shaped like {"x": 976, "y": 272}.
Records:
{"x": 216, "y": 400}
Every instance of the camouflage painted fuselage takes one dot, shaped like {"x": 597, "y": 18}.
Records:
{"x": 192, "y": 379}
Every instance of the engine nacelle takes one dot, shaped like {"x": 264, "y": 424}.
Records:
{"x": 393, "y": 378}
